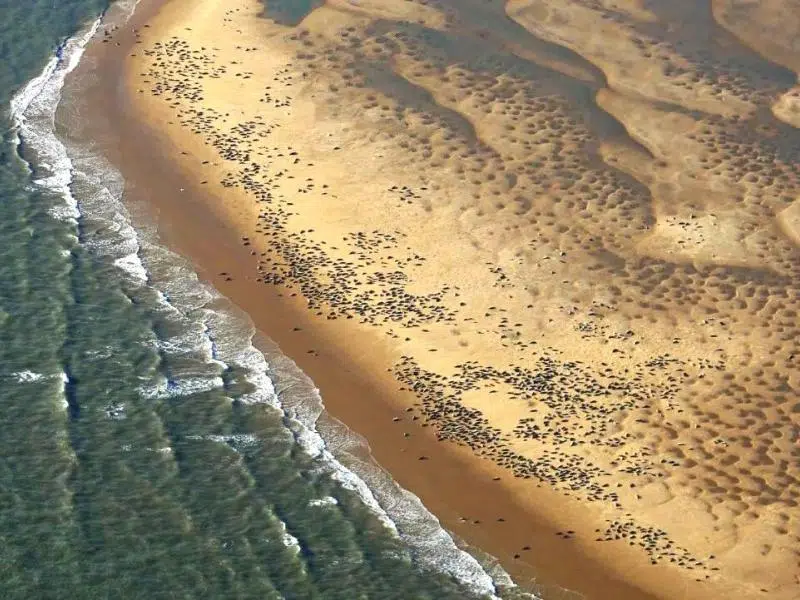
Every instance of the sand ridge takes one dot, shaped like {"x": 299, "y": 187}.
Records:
{"x": 589, "y": 280}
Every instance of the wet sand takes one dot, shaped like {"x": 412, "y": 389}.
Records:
{"x": 588, "y": 282}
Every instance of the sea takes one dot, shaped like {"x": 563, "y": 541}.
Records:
{"x": 148, "y": 448}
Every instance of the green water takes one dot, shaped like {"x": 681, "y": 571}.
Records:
{"x": 290, "y": 12}
{"x": 141, "y": 455}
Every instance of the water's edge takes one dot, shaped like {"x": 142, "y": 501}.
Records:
{"x": 227, "y": 335}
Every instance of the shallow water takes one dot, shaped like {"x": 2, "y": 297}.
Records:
{"x": 149, "y": 449}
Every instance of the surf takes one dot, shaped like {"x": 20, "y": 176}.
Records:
{"x": 212, "y": 327}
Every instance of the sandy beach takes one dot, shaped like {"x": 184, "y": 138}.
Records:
{"x": 552, "y": 277}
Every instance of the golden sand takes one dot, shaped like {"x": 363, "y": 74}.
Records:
{"x": 572, "y": 226}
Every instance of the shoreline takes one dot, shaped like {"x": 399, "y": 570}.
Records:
{"x": 560, "y": 574}
{"x": 210, "y": 234}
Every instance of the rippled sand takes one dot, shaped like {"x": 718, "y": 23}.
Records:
{"x": 576, "y": 223}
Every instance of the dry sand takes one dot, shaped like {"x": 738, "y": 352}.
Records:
{"x": 562, "y": 235}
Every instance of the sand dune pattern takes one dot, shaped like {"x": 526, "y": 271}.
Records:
{"x": 576, "y": 222}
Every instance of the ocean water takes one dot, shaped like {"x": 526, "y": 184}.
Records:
{"x": 149, "y": 450}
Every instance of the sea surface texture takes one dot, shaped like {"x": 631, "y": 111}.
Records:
{"x": 148, "y": 449}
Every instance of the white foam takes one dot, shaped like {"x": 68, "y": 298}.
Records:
{"x": 236, "y": 440}
{"x": 228, "y": 338}
{"x": 116, "y": 412}
{"x": 326, "y": 501}
{"x": 32, "y": 113}
{"x": 417, "y": 527}
{"x": 288, "y": 539}
{"x": 27, "y": 376}
{"x": 23, "y": 99}
{"x": 133, "y": 266}
{"x": 109, "y": 232}
{"x": 233, "y": 345}
{"x": 185, "y": 386}
{"x": 100, "y": 353}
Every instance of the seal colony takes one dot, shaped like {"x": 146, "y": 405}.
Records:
{"x": 575, "y": 225}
